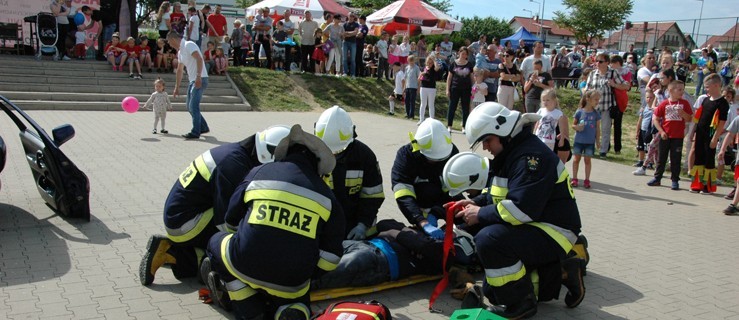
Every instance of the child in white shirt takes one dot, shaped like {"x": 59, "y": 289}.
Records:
{"x": 159, "y": 100}
{"x": 479, "y": 89}
{"x": 552, "y": 118}
{"x": 397, "y": 94}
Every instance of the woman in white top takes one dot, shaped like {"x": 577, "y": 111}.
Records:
{"x": 163, "y": 18}
{"x": 404, "y": 52}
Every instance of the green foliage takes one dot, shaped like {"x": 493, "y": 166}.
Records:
{"x": 268, "y": 90}
{"x": 590, "y": 19}
{"x": 246, "y": 3}
{"x": 474, "y": 27}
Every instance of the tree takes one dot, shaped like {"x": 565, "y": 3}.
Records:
{"x": 474, "y": 27}
{"x": 246, "y": 3}
{"x": 367, "y": 7}
{"x": 590, "y": 19}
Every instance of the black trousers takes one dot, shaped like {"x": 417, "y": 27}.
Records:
{"x": 238, "y": 61}
{"x": 306, "y": 63}
{"x": 383, "y": 69}
{"x": 61, "y": 41}
{"x": 455, "y": 95}
{"x": 675, "y": 148}
{"x": 617, "y": 123}
{"x": 263, "y": 41}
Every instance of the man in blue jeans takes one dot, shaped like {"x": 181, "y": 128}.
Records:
{"x": 190, "y": 57}
{"x": 349, "y": 51}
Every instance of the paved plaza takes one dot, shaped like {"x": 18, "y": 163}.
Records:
{"x": 655, "y": 253}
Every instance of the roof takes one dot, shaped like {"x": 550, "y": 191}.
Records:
{"x": 731, "y": 35}
{"x": 637, "y": 32}
{"x": 533, "y": 26}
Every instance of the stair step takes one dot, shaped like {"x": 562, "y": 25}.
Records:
{"x": 112, "y": 106}
{"x": 135, "y": 90}
{"x": 104, "y": 97}
{"x": 112, "y": 79}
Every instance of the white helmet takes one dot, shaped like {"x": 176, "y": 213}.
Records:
{"x": 335, "y": 128}
{"x": 493, "y": 118}
{"x": 465, "y": 171}
{"x": 433, "y": 140}
{"x": 266, "y": 141}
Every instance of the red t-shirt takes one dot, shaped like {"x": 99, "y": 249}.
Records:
{"x": 132, "y": 50}
{"x": 143, "y": 48}
{"x": 178, "y": 21}
{"x": 115, "y": 52}
{"x": 218, "y": 21}
{"x": 672, "y": 122}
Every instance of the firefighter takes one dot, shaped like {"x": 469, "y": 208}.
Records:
{"x": 197, "y": 203}
{"x": 416, "y": 176}
{"x": 289, "y": 228}
{"x": 529, "y": 219}
{"x": 356, "y": 180}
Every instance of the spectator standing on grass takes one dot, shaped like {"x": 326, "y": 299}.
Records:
{"x": 458, "y": 87}
{"x": 349, "y": 51}
{"x": 527, "y": 65}
{"x": 382, "y": 61}
{"x": 538, "y": 81}
{"x": 307, "y": 31}
{"x": 446, "y": 49}
{"x": 237, "y": 36}
{"x": 397, "y": 95}
{"x": 318, "y": 57}
{"x": 262, "y": 35}
{"x": 491, "y": 72}
{"x": 289, "y": 27}
{"x": 509, "y": 76}
{"x": 727, "y": 70}
{"x": 361, "y": 35}
{"x": 479, "y": 88}
{"x": 476, "y": 46}
{"x": 410, "y": 86}
{"x": 335, "y": 34}
{"x": 430, "y": 74}
{"x": 421, "y": 50}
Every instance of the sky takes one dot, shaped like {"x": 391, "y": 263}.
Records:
{"x": 644, "y": 10}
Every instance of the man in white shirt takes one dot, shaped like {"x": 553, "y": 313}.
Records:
{"x": 193, "y": 26}
{"x": 307, "y": 30}
{"x": 446, "y": 48}
{"x": 289, "y": 27}
{"x": 191, "y": 58}
{"x": 527, "y": 66}
{"x": 383, "y": 67}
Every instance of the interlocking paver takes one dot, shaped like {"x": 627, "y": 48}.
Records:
{"x": 656, "y": 253}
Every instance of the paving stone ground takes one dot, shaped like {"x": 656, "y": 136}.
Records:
{"x": 656, "y": 253}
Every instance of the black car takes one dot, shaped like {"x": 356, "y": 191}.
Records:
{"x": 60, "y": 183}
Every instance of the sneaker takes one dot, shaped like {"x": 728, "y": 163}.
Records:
{"x": 574, "y": 183}
{"x": 654, "y": 182}
{"x": 155, "y": 257}
{"x": 154, "y": 131}
{"x": 391, "y": 113}
{"x": 138, "y": 76}
{"x": 115, "y": 68}
{"x": 719, "y": 182}
{"x": 602, "y": 154}
{"x": 164, "y": 131}
{"x": 462, "y": 130}
{"x": 65, "y": 58}
{"x": 730, "y": 196}
{"x": 573, "y": 268}
{"x": 586, "y": 184}
{"x": 189, "y": 136}
{"x": 638, "y": 164}
{"x": 640, "y": 171}
{"x": 130, "y": 75}
{"x": 731, "y": 210}
{"x": 675, "y": 185}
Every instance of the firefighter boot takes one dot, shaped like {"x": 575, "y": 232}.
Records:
{"x": 572, "y": 272}
{"x": 218, "y": 291}
{"x": 580, "y": 250}
{"x": 473, "y": 298}
{"x": 523, "y": 309}
{"x": 156, "y": 256}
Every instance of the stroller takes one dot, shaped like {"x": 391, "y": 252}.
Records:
{"x": 48, "y": 34}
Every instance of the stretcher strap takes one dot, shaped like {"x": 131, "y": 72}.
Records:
{"x": 451, "y": 209}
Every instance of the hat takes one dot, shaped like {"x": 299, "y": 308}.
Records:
{"x": 326, "y": 160}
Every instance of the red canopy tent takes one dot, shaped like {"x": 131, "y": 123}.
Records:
{"x": 411, "y": 17}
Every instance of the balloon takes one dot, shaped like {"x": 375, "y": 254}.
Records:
{"x": 130, "y": 104}
{"x": 79, "y": 18}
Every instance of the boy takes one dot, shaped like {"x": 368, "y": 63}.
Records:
{"x": 279, "y": 49}
{"x": 397, "y": 94}
{"x": 729, "y": 94}
{"x": 79, "y": 42}
{"x": 382, "y": 46}
{"x": 669, "y": 119}
{"x": 710, "y": 119}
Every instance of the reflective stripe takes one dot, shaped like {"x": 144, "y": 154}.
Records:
{"x": 565, "y": 238}
{"x": 502, "y": 276}
{"x": 329, "y": 180}
{"x": 369, "y": 313}
{"x": 498, "y": 189}
{"x": 373, "y": 192}
{"x": 500, "y": 182}
{"x": 353, "y": 180}
{"x": 404, "y": 190}
{"x": 191, "y": 228}
{"x": 289, "y": 193}
{"x": 271, "y": 288}
{"x": 510, "y": 213}
{"x": 564, "y": 177}
{"x": 188, "y": 175}
{"x": 353, "y": 174}
{"x": 238, "y": 290}
{"x": 283, "y": 216}
{"x": 205, "y": 165}
{"x": 295, "y": 306}
{"x": 328, "y": 261}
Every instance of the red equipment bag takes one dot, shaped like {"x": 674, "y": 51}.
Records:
{"x": 361, "y": 310}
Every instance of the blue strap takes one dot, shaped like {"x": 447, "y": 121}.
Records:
{"x": 392, "y": 258}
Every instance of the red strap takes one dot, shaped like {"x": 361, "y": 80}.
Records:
{"x": 452, "y": 208}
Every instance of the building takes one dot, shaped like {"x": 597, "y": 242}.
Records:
{"x": 649, "y": 35}
{"x": 726, "y": 41}
{"x": 551, "y": 33}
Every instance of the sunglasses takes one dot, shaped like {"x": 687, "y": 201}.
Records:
{"x": 601, "y": 61}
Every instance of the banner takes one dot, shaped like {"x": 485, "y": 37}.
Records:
{"x": 13, "y": 11}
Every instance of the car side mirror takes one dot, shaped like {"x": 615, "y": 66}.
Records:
{"x": 62, "y": 134}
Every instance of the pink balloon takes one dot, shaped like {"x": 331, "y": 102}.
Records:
{"x": 130, "y": 104}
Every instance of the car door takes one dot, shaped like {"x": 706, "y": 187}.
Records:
{"x": 63, "y": 187}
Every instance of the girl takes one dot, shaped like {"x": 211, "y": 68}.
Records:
{"x": 479, "y": 89}
{"x": 587, "y": 138}
{"x": 208, "y": 56}
{"x": 159, "y": 102}
{"x": 163, "y": 19}
{"x": 162, "y": 56}
{"x": 551, "y": 122}
{"x": 584, "y": 80}
{"x": 144, "y": 55}
{"x": 459, "y": 86}
{"x": 393, "y": 51}
{"x": 431, "y": 73}
{"x": 133, "y": 58}
{"x": 246, "y": 42}
{"x": 115, "y": 53}
{"x": 403, "y": 52}
{"x": 319, "y": 56}
{"x": 221, "y": 62}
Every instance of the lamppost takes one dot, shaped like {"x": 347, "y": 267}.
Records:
{"x": 531, "y": 13}
{"x": 700, "y": 17}
{"x": 541, "y": 15}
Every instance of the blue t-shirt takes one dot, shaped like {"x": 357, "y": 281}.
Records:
{"x": 646, "y": 119}
{"x": 587, "y": 135}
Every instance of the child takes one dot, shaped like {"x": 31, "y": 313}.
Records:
{"x": 246, "y": 42}
{"x": 159, "y": 100}
{"x": 162, "y": 56}
{"x": 221, "y": 62}
{"x": 382, "y": 63}
{"x": 403, "y": 51}
{"x": 226, "y": 46}
{"x": 587, "y": 138}
{"x": 318, "y": 55}
{"x": 479, "y": 89}
{"x": 728, "y": 93}
{"x": 732, "y": 129}
{"x": 644, "y": 147}
{"x": 410, "y": 86}
{"x": 584, "y": 80}
{"x": 397, "y": 94}
{"x": 115, "y": 53}
{"x": 710, "y": 119}
{"x": 552, "y": 119}
{"x": 278, "y": 53}
{"x": 79, "y": 42}
{"x": 133, "y": 58}
{"x": 144, "y": 55}
{"x": 669, "y": 119}
{"x": 208, "y": 55}
{"x": 393, "y": 52}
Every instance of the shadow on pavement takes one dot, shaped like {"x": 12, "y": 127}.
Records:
{"x": 150, "y": 140}
{"x": 628, "y": 194}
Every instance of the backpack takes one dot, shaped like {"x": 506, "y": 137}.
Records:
{"x": 361, "y": 310}
{"x": 726, "y": 71}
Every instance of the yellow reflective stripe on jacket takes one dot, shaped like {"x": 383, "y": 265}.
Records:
{"x": 502, "y": 276}
{"x": 191, "y": 228}
{"x": 188, "y": 175}
{"x": 205, "y": 165}
{"x": 284, "y": 216}
{"x": 565, "y": 238}
{"x": 373, "y": 192}
{"x": 510, "y": 213}
{"x": 238, "y": 290}
{"x": 404, "y": 190}
{"x": 369, "y": 313}
{"x": 281, "y": 291}
{"x": 329, "y": 180}
{"x": 328, "y": 261}
{"x": 289, "y": 193}
{"x": 498, "y": 189}
{"x": 353, "y": 180}
{"x": 564, "y": 177}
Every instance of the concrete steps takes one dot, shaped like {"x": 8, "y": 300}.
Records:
{"x": 93, "y": 85}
